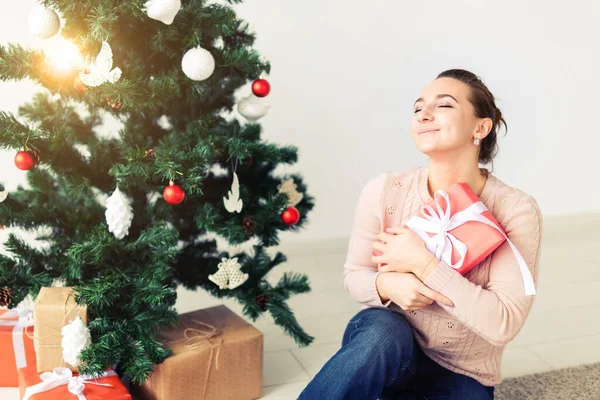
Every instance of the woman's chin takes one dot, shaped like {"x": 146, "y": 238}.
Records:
{"x": 426, "y": 148}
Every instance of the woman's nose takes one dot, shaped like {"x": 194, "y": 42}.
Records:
{"x": 425, "y": 114}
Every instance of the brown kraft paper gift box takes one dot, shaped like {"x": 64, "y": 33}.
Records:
{"x": 54, "y": 308}
{"x": 216, "y": 355}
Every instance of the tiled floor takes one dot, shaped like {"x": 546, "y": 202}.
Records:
{"x": 562, "y": 330}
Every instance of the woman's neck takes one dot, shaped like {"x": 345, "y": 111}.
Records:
{"x": 442, "y": 176}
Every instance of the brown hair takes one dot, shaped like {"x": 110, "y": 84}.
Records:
{"x": 485, "y": 107}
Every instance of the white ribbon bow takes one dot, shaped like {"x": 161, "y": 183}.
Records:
{"x": 25, "y": 321}
{"x": 64, "y": 376}
{"x": 442, "y": 242}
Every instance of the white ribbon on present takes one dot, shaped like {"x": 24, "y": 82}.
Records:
{"x": 442, "y": 242}
{"x": 64, "y": 376}
{"x": 24, "y": 321}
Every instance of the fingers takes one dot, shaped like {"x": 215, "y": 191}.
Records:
{"x": 378, "y": 259}
{"x": 378, "y": 246}
{"x": 396, "y": 229}
{"x": 383, "y": 237}
{"x": 424, "y": 299}
{"x": 436, "y": 296}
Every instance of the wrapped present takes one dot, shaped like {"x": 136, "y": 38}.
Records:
{"x": 54, "y": 308}
{"x": 16, "y": 344}
{"x": 215, "y": 355}
{"x": 62, "y": 384}
{"x": 462, "y": 232}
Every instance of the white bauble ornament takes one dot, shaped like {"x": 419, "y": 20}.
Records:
{"x": 3, "y": 195}
{"x": 76, "y": 337}
{"x": 101, "y": 70}
{"x": 119, "y": 214}
{"x": 162, "y": 10}
{"x": 232, "y": 202}
{"x": 43, "y": 22}
{"x": 252, "y": 108}
{"x": 198, "y": 64}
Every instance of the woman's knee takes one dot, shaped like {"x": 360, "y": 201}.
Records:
{"x": 380, "y": 330}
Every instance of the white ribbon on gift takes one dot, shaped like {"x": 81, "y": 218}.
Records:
{"x": 442, "y": 242}
{"x": 63, "y": 376}
{"x": 25, "y": 321}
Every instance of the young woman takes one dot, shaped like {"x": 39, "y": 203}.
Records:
{"x": 425, "y": 330}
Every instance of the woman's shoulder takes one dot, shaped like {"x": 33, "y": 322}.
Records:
{"x": 512, "y": 201}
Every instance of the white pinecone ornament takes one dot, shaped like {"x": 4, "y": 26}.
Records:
{"x": 76, "y": 337}
{"x": 119, "y": 214}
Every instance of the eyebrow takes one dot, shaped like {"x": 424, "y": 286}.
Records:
{"x": 439, "y": 96}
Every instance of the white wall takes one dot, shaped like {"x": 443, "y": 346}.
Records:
{"x": 346, "y": 73}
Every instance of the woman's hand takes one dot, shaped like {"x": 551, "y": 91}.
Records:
{"x": 402, "y": 250}
{"x": 407, "y": 291}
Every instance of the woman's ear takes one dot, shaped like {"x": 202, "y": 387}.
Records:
{"x": 484, "y": 128}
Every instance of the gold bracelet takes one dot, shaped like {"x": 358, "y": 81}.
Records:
{"x": 427, "y": 268}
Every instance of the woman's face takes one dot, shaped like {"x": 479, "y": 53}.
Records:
{"x": 443, "y": 121}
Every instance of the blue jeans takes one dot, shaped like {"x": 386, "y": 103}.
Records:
{"x": 379, "y": 359}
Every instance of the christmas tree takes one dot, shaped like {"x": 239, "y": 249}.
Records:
{"x": 128, "y": 218}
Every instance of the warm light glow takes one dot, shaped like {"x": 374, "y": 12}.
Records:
{"x": 64, "y": 56}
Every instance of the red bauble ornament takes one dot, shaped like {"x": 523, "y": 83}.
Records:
{"x": 25, "y": 160}
{"x": 261, "y": 87}
{"x": 173, "y": 194}
{"x": 78, "y": 84}
{"x": 291, "y": 216}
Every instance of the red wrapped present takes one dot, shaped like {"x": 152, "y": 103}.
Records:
{"x": 63, "y": 384}
{"x": 16, "y": 345}
{"x": 459, "y": 230}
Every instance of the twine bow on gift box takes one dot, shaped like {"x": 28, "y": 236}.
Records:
{"x": 24, "y": 321}
{"x": 439, "y": 223}
{"x": 196, "y": 338}
{"x": 64, "y": 376}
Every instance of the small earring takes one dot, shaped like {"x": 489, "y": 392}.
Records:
{"x": 476, "y": 142}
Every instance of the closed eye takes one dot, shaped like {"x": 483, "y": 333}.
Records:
{"x": 445, "y": 106}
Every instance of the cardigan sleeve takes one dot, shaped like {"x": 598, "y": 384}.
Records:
{"x": 360, "y": 272}
{"x": 498, "y": 310}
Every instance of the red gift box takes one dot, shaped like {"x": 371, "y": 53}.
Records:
{"x": 460, "y": 231}
{"x": 441, "y": 223}
{"x": 62, "y": 379}
{"x": 16, "y": 346}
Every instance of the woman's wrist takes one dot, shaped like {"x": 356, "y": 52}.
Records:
{"x": 379, "y": 287}
{"x": 426, "y": 267}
